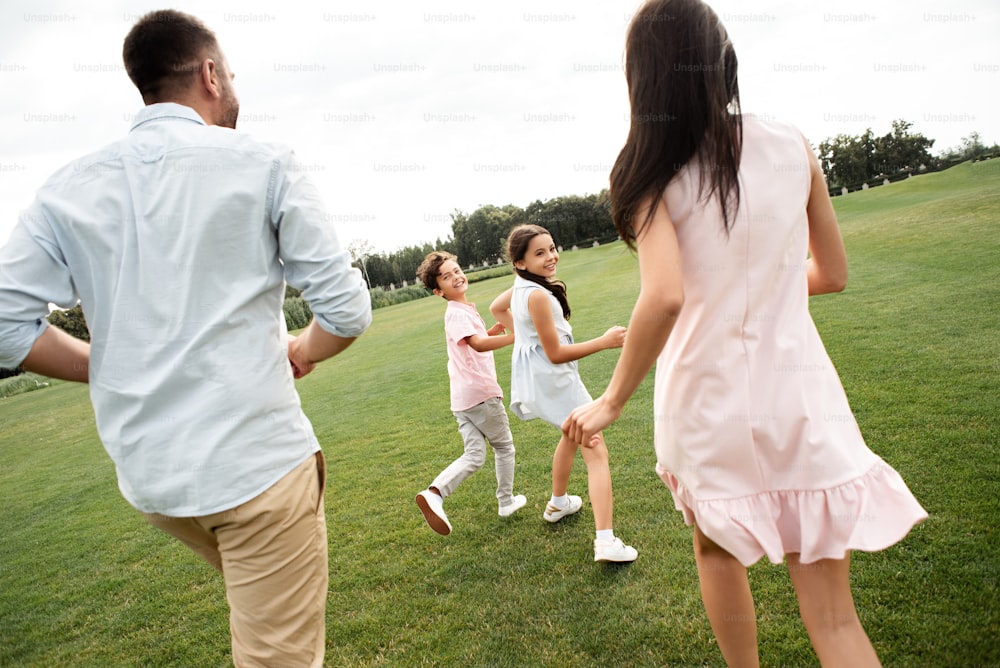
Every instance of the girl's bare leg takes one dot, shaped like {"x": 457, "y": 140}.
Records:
{"x": 562, "y": 465}
{"x": 599, "y": 484}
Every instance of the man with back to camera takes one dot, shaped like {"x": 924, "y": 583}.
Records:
{"x": 177, "y": 241}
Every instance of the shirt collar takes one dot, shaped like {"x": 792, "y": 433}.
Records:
{"x": 469, "y": 306}
{"x": 171, "y": 110}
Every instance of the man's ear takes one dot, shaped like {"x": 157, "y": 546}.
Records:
{"x": 209, "y": 75}
{"x": 438, "y": 292}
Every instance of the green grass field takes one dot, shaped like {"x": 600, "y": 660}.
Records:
{"x": 84, "y": 581}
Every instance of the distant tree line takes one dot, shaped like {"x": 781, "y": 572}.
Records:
{"x": 852, "y": 162}
{"x": 478, "y": 238}
{"x": 972, "y": 148}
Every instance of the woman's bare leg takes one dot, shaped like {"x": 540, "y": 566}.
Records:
{"x": 725, "y": 592}
{"x": 827, "y": 608}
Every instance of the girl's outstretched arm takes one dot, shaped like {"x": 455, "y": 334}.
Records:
{"x": 540, "y": 310}
{"x": 661, "y": 297}
{"x": 500, "y": 309}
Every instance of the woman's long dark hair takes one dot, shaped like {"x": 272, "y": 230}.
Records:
{"x": 517, "y": 246}
{"x": 685, "y": 102}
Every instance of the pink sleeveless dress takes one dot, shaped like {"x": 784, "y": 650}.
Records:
{"x": 754, "y": 435}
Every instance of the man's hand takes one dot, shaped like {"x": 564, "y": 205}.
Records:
{"x": 301, "y": 366}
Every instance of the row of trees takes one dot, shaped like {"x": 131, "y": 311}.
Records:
{"x": 852, "y": 161}
{"x": 972, "y": 148}
{"x": 478, "y": 237}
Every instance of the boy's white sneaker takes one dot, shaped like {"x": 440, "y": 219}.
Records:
{"x": 513, "y": 506}
{"x": 432, "y": 506}
{"x": 614, "y": 550}
{"x": 554, "y": 513}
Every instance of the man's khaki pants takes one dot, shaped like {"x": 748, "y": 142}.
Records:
{"x": 272, "y": 551}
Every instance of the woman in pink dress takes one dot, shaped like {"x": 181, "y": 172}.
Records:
{"x": 754, "y": 436}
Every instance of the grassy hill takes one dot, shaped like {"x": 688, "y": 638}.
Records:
{"x": 85, "y": 582}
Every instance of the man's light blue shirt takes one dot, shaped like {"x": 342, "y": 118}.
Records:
{"x": 178, "y": 241}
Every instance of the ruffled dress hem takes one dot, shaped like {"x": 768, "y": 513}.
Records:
{"x": 868, "y": 513}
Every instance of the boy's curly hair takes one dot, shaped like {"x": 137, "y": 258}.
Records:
{"x": 430, "y": 268}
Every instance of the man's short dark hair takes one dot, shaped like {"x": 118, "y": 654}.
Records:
{"x": 163, "y": 52}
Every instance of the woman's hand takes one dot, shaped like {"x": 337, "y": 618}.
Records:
{"x": 585, "y": 423}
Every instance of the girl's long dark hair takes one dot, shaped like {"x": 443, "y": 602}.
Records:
{"x": 517, "y": 246}
{"x": 681, "y": 72}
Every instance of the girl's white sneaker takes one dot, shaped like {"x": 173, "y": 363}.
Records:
{"x": 614, "y": 550}
{"x": 554, "y": 513}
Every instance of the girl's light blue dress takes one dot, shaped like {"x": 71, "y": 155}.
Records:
{"x": 539, "y": 388}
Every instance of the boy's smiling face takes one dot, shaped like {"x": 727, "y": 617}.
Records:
{"x": 451, "y": 282}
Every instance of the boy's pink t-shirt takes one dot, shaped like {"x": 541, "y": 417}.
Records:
{"x": 473, "y": 374}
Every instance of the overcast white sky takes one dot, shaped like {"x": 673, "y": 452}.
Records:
{"x": 406, "y": 111}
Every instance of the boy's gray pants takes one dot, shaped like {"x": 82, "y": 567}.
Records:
{"x": 479, "y": 424}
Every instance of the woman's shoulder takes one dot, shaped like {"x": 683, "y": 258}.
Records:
{"x": 766, "y": 124}
{"x": 769, "y": 139}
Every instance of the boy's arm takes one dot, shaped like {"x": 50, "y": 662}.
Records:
{"x": 485, "y": 344}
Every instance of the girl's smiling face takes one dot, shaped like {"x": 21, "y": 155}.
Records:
{"x": 541, "y": 256}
